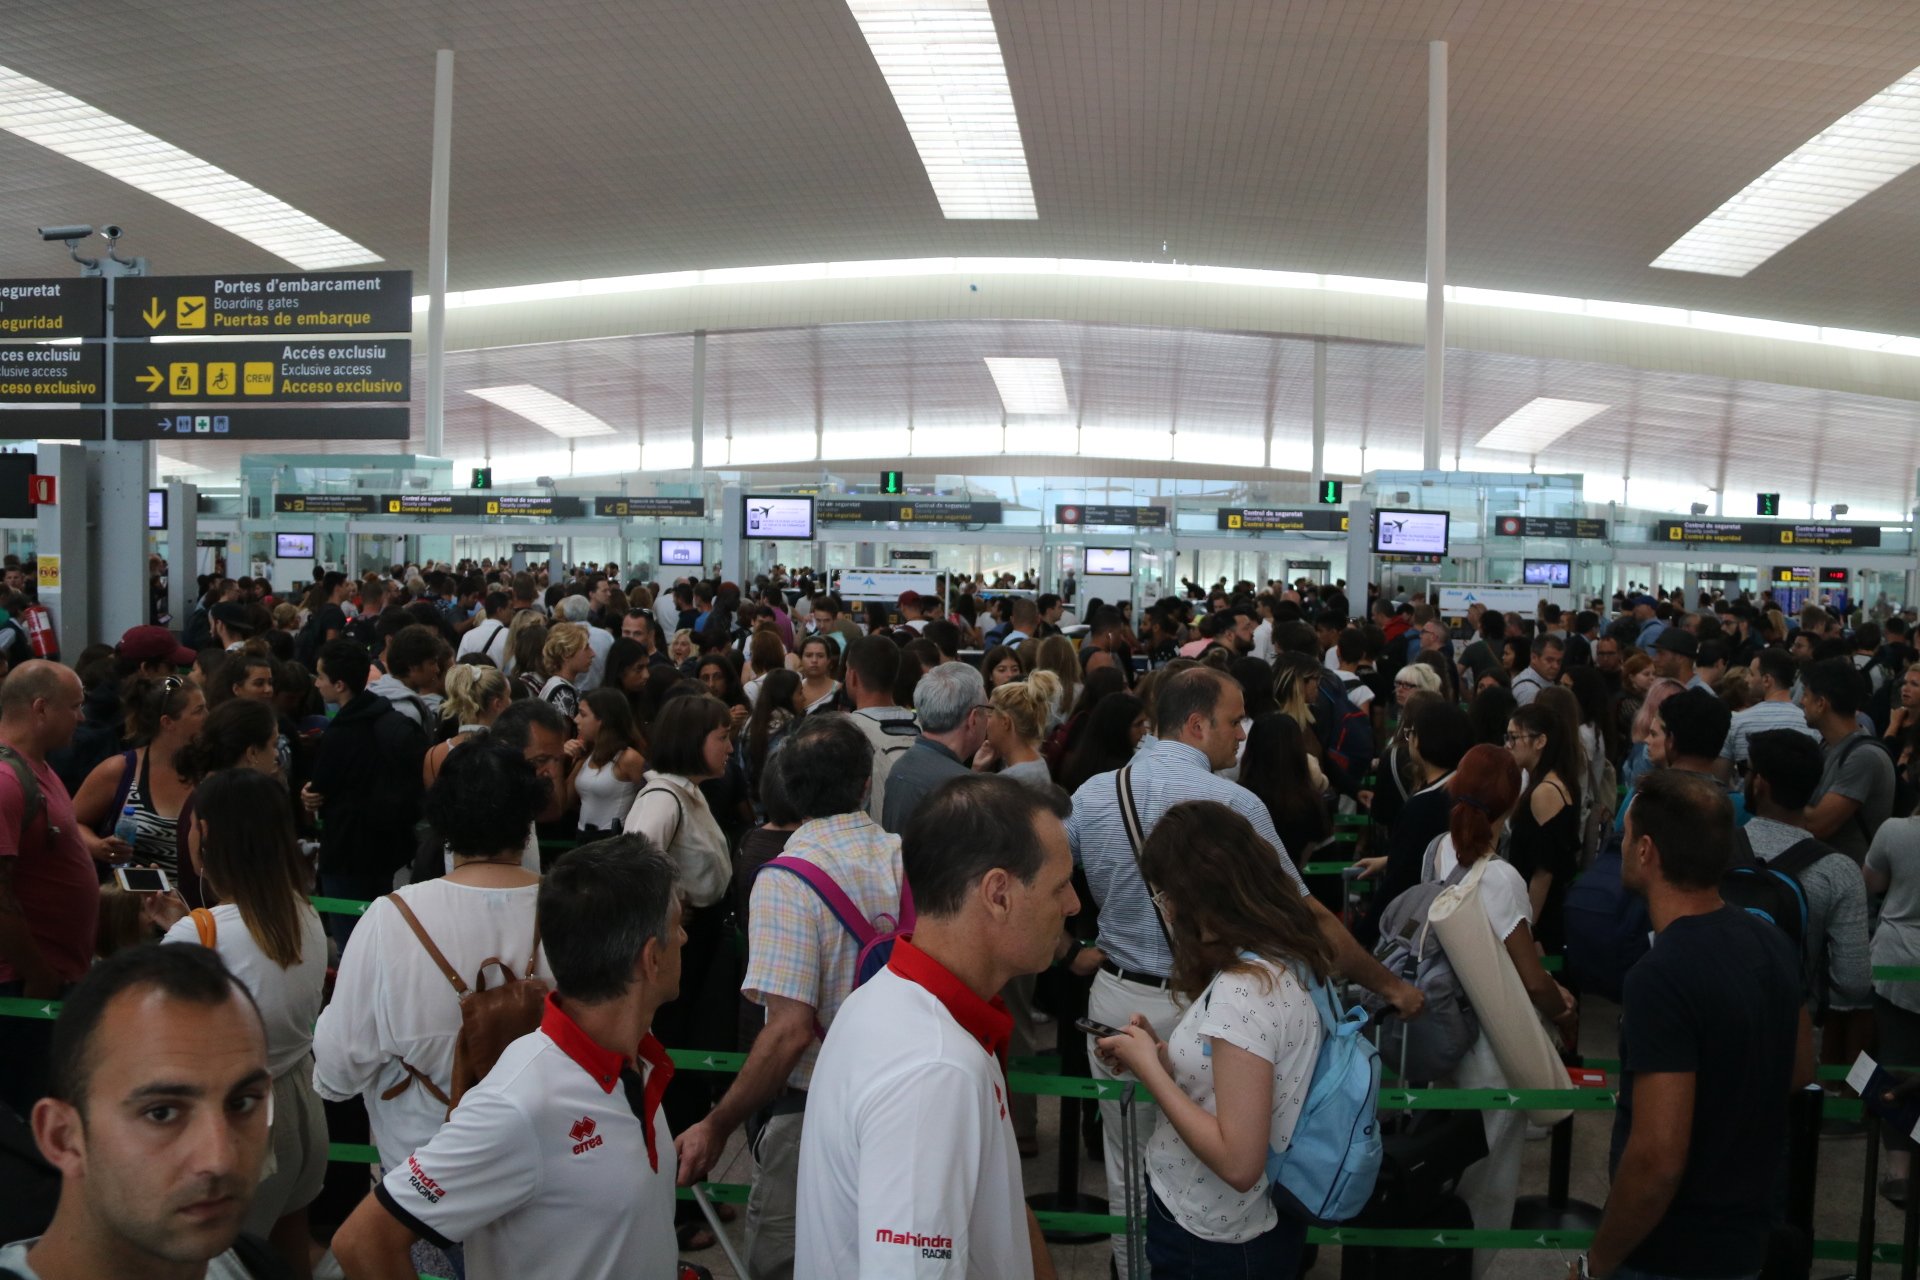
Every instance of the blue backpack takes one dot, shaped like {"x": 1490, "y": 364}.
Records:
{"x": 1327, "y": 1172}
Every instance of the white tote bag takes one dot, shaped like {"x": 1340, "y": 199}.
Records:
{"x": 1508, "y": 1020}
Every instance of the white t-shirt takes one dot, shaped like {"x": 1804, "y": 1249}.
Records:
{"x": 672, "y": 813}
{"x": 1272, "y": 1017}
{"x": 1503, "y": 893}
{"x": 225, "y": 1267}
{"x": 545, "y": 1169}
{"x": 489, "y": 636}
{"x": 289, "y": 999}
{"x": 391, "y": 1002}
{"x": 1356, "y": 689}
{"x": 908, "y": 1164}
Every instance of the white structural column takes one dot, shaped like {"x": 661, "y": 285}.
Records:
{"x": 1436, "y": 250}
{"x": 1319, "y": 413}
{"x": 699, "y": 402}
{"x": 437, "y": 254}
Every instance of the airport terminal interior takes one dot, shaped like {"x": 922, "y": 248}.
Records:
{"x": 1548, "y": 369}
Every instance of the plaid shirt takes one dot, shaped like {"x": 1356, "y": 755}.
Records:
{"x": 795, "y": 947}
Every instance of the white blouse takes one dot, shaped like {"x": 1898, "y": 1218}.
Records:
{"x": 671, "y": 812}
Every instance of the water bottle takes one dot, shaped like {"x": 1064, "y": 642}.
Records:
{"x": 128, "y": 828}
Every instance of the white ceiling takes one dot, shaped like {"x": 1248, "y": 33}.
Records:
{"x": 594, "y": 138}
{"x": 768, "y": 391}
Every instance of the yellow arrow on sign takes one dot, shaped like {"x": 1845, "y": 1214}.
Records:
{"x": 151, "y": 379}
{"x": 153, "y": 315}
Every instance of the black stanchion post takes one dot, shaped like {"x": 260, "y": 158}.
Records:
{"x": 1066, "y": 1196}
{"x": 1557, "y": 1210}
{"x": 1910, "y": 1238}
{"x": 1869, "y": 1189}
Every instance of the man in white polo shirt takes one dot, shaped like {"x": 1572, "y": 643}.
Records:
{"x": 908, "y": 1163}
{"x": 559, "y": 1162}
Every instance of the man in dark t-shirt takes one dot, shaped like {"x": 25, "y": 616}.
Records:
{"x": 1713, "y": 1042}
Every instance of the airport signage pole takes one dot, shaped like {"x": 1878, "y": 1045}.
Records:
{"x": 437, "y": 253}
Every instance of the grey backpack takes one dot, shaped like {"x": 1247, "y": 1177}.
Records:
{"x": 1431, "y": 1046}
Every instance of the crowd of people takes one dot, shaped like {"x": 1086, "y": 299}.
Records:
{"x": 459, "y": 854}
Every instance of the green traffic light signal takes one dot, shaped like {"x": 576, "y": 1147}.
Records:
{"x": 893, "y": 483}
{"x": 483, "y": 477}
{"x": 1769, "y": 504}
{"x": 1331, "y": 491}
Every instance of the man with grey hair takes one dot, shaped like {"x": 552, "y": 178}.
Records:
{"x": 951, "y": 703}
{"x": 801, "y": 965}
{"x": 580, "y": 609}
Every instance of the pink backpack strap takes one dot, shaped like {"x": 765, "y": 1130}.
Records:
{"x": 850, "y": 917}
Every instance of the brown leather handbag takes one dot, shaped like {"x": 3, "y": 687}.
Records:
{"x": 490, "y": 1018}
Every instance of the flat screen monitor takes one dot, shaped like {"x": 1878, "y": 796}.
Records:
{"x": 156, "y": 508}
{"x": 1109, "y": 562}
{"x": 293, "y": 546}
{"x": 1410, "y": 533}
{"x": 1547, "y": 573}
{"x": 683, "y": 551}
{"x": 779, "y": 516}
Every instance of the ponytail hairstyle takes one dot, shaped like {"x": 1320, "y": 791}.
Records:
{"x": 151, "y": 699}
{"x": 1028, "y": 703}
{"x": 252, "y": 859}
{"x": 528, "y": 644}
{"x": 469, "y": 689}
{"x": 1484, "y": 790}
{"x": 232, "y": 729}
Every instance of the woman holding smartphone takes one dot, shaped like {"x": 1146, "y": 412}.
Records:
{"x": 1232, "y": 1077}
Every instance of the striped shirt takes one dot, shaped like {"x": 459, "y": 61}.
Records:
{"x": 1762, "y": 717}
{"x": 1165, "y": 773}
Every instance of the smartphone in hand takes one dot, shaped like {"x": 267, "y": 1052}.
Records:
{"x": 1099, "y": 1030}
{"x": 142, "y": 879}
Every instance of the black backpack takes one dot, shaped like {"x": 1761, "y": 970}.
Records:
{"x": 1773, "y": 892}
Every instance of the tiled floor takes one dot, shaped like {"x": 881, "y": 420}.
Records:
{"x": 1836, "y": 1215}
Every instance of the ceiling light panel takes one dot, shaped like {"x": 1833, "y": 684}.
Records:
{"x": 1029, "y": 385}
{"x": 61, "y": 122}
{"x": 1538, "y": 423}
{"x": 544, "y": 409}
{"x": 1850, "y": 159}
{"x": 942, "y": 63}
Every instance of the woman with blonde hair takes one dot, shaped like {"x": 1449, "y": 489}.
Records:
{"x": 564, "y": 658}
{"x": 476, "y": 695}
{"x": 523, "y": 621}
{"x": 1296, "y": 684}
{"x": 1017, "y": 719}
{"x": 1056, "y": 654}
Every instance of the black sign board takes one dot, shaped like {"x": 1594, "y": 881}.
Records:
{"x": 1761, "y": 533}
{"x": 905, "y": 511}
{"x": 265, "y": 372}
{"x": 324, "y": 504}
{"x": 262, "y": 424}
{"x": 1572, "y": 527}
{"x": 16, "y": 470}
{"x": 1280, "y": 520}
{"x": 1309, "y": 564}
{"x": 1719, "y": 575}
{"x": 1133, "y": 517}
{"x": 265, "y": 306}
{"x": 1837, "y": 576}
{"x": 49, "y": 374}
{"x": 673, "y": 508}
{"x": 53, "y": 308}
{"x": 531, "y": 504}
{"x": 54, "y": 424}
{"x": 430, "y": 504}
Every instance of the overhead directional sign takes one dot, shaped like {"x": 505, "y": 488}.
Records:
{"x": 1763, "y": 533}
{"x": 1572, "y": 527}
{"x": 430, "y": 504}
{"x": 672, "y": 508}
{"x": 53, "y": 308}
{"x": 324, "y": 504}
{"x": 47, "y": 374}
{"x": 265, "y": 305}
{"x": 53, "y": 424}
{"x": 532, "y": 504}
{"x": 262, "y": 424}
{"x": 906, "y": 511}
{"x": 1280, "y": 520}
{"x": 1148, "y": 517}
{"x": 342, "y": 369}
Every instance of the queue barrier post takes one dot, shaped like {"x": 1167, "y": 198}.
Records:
{"x": 1066, "y": 1196}
{"x": 1557, "y": 1210}
{"x": 1803, "y": 1156}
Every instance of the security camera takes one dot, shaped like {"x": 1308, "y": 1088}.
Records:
{"x": 1840, "y": 509}
{"x": 1699, "y": 508}
{"x": 545, "y": 482}
{"x": 65, "y": 233}
{"x": 112, "y": 232}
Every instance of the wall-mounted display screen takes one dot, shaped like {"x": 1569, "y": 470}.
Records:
{"x": 682, "y": 551}
{"x": 1547, "y": 573}
{"x": 293, "y": 546}
{"x": 779, "y": 516}
{"x": 1410, "y": 533}
{"x": 156, "y": 508}
{"x": 1111, "y": 562}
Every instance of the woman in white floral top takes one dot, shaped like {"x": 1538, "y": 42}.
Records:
{"x": 1231, "y": 1078}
